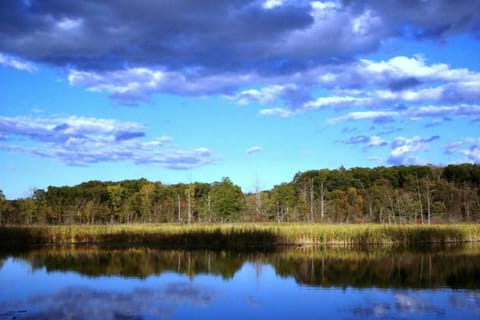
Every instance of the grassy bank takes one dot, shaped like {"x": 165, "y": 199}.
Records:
{"x": 240, "y": 235}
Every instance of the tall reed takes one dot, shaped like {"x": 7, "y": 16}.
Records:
{"x": 241, "y": 235}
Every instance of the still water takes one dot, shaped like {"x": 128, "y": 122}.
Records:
{"x": 149, "y": 283}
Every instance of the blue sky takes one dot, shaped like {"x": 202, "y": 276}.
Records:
{"x": 252, "y": 90}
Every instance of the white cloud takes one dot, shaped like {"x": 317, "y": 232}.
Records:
{"x": 265, "y": 95}
{"x": 279, "y": 112}
{"x": 406, "y": 81}
{"x": 270, "y": 4}
{"x": 369, "y": 141}
{"x": 336, "y": 31}
{"x": 159, "y": 302}
{"x": 366, "y": 115}
{"x": 82, "y": 141}
{"x": 405, "y": 303}
{"x": 335, "y": 102}
{"x": 452, "y": 147}
{"x": 468, "y": 149}
{"x": 472, "y": 154}
{"x": 403, "y": 147}
{"x": 68, "y": 24}
{"x": 253, "y": 149}
{"x": 413, "y": 113}
{"x": 444, "y": 111}
{"x": 376, "y": 141}
{"x": 367, "y": 84}
{"x": 137, "y": 84}
{"x": 363, "y": 24}
{"x": 11, "y": 62}
{"x": 405, "y": 67}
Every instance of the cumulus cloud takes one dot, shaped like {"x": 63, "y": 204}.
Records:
{"x": 407, "y": 151}
{"x": 400, "y": 81}
{"x": 225, "y": 33}
{"x": 472, "y": 154}
{"x": 292, "y": 93}
{"x": 81, "y": 141}
{"x": 138, "y": 84}
{"x": 180, "y": 35}
{"x": 402, "y": 148}
{"x": 368, "y": 141}
{"x": 364, "y": 83}
{"x": 376, "y": 141}
{"x": 468, "y": 149}
{"x": 278, "y": 53}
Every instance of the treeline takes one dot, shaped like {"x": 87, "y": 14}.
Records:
{"x": 404, "y": 194}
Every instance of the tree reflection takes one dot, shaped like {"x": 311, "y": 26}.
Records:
{"x": 327, "y": 267}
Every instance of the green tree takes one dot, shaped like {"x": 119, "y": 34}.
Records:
{"x": 227, "y": 200}
{"x": 115, "y": 193}
{"x": 40, "y": 199}
{"x": 285, "y": 198}
{"x": 147, "y": 201}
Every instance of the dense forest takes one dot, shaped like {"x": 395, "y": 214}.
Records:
{"x": 403, "y": 194}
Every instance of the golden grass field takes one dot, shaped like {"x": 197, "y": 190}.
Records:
{"x": 240, "y": 235}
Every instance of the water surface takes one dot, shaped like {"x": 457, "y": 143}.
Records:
{"x": 148, "y": 283}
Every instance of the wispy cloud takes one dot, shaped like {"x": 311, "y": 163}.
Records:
{"x": 253, "y": 149}
{"x": 368, "y": 141}
{"x": 15, "y": 63}
{"x": 453, "y": 147}
{"x": 412, "y": 113}
{"x": 81, "y": 141}
{"x": 279, "y": 112}
{"x": 376, "y": 116}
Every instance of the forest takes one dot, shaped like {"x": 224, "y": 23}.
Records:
{"x": 394, "y": 195}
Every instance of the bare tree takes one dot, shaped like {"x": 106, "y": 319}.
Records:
{"x": 179, "y": 209}
{"x": 311, "y": 200}
{"x": 419, "y": 198}
{"x": 322, "y": 198}
{"x": 258, "y": 203}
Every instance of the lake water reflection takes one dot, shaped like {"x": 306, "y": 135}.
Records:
{"x": 299, "y": 283}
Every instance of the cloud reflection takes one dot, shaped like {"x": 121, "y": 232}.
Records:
{"x": 375, "y": 310}
{"x": 413, "y": 304}
{"x": 403, "y": 304}
{"x": 90, "y": 303}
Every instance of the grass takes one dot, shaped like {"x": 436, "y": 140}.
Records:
{"x": 241, "y": 235}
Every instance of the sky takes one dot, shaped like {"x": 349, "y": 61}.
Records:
{"x": 253, "y": 90}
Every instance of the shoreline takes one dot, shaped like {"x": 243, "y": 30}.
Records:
{"x": 241, "y": 235}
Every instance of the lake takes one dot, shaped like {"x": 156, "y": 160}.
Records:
{"x": 296, "y": 283}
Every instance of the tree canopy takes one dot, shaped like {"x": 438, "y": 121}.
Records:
{"x": 403, "y": 194}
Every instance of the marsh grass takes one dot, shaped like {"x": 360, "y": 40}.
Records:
{"x": 241, "y": 235}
